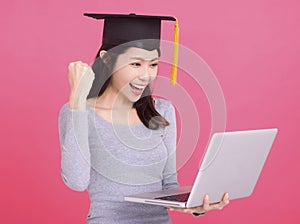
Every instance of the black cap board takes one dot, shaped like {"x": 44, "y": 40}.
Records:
{"x": 122, "y": 28}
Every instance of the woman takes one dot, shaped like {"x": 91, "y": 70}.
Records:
{"x": 116, "y": 139}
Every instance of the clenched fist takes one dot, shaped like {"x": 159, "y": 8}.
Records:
{"x": 81, "y": 77}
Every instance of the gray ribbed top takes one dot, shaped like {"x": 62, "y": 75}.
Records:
{"x": 112, "y": 161}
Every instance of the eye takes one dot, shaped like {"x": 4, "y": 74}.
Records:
{"x": 136, "y": 64}
{"x": 154, "y": 65}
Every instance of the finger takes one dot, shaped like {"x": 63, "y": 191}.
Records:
{"x": 206, "y": 205}
{"x": 221, "y": 204}
{"x": 225, "y": 200}
{"x": 84, "y": 64}
{"x": 71, "y": 64}
{"x": 78, "y": 64}
{"x": 186, "y": 210}
{"x": 175, "y": 209}
{"x": 189, "y": 210}
{"x": 226, "y": 196}
{"x": 81, "y": 68}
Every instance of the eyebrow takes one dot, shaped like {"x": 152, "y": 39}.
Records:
{"x": 142, "y": 59}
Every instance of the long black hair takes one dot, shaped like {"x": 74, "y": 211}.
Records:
{"x": 103, "y": 68}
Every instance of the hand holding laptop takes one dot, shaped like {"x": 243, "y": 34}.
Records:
{"x": 201, "y": 210}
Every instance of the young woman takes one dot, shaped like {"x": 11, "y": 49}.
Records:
{"x": 116, "y": 139}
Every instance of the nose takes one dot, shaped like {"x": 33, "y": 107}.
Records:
{"x": 145, "y": 75}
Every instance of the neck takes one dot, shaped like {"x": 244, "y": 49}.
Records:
{"x": 114, "y": 100}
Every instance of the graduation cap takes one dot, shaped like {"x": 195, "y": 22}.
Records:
{"x": 123, "y": 28}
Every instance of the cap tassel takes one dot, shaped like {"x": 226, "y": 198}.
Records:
{"x": 175, "y": 54}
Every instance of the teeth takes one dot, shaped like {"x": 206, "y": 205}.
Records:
{"x": 137, "y": 86}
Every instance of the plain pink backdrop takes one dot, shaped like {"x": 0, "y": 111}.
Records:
{"x": 252, "y": 47}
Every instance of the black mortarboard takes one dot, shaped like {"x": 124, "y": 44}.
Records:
{"x": 122, "y": 28}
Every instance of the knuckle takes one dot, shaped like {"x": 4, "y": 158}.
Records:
{"x": 78, "y": 64}
{"x": 71, "y": 65}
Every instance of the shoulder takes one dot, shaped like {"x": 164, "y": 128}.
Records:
{"x": 64, "y": 108}
{"x": 163, "y": 106}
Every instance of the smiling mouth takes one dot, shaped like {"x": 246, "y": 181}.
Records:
{"x": 137, "y": 89}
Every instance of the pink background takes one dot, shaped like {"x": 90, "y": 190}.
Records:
{"x": 252, "y": 47}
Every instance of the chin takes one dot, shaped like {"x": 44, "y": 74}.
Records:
{"x": 134, "y": 99}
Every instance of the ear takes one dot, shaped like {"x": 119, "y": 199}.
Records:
{"x": 104, "y": 56}
{"x": 102, "y": 53}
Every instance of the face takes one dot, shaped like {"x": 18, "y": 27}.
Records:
{"x": 133, "y": 71}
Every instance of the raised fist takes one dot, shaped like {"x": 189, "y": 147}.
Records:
{"x": 81, "y": 77}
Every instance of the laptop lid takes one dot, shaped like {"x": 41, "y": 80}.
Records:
{"x": 232, "y": 163}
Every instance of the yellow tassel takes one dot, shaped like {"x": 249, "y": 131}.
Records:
{"x": 175, "y": 54}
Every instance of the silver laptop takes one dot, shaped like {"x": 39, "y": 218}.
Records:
{"x": 232, "y": 163}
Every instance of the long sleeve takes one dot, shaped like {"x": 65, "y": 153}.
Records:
{"x": 170, "y": 173}
{"x": 75, "y": 154}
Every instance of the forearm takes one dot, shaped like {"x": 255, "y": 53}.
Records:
{"x": 75, "y": 161}
{"x": 75, "y": 170}
{"x": 170, "y": 173}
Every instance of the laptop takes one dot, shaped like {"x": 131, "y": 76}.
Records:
{"x": 232, "y": 163}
